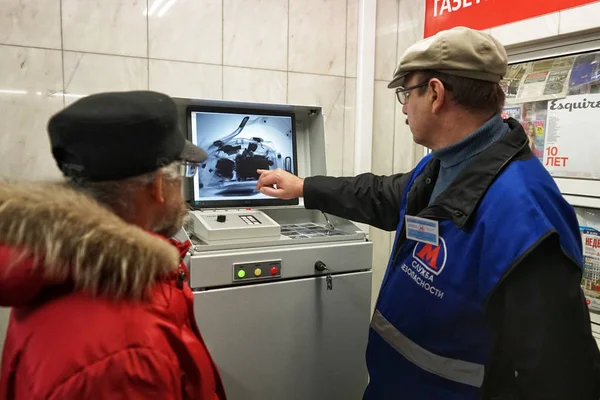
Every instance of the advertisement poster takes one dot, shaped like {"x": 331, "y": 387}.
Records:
{"x": 586, "y": 71}
{"x": 512, "y": 80}
{"x": 543, "y": 80}
{"x": 589, "y": 221}
{"x": 515, "y": 112}
{"x": 572, "y": 137}
{"x": 536, "y": 133}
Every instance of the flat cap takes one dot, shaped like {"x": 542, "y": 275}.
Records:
{"x": 117, "y": 135}
{"x": 458, "y": 51}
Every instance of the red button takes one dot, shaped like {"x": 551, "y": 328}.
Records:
{"x": 273, "y": 270}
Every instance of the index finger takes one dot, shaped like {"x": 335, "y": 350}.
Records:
{"x": 267, "y": 179}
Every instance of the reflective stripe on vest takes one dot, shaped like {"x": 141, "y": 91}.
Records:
{"x": 455, "y": 370}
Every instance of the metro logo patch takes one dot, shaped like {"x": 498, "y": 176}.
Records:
{"x": 433, "y": 258}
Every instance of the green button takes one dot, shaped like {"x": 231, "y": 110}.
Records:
{"x": 241, "y": 273}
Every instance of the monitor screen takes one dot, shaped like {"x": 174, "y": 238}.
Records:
{"x": 238, "y": 142}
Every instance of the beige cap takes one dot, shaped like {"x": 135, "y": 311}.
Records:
{"x": 458, "y": 51}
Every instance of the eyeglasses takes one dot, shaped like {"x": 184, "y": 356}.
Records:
{"x": 187, "y": 169}
{"x": 403, "y": 93}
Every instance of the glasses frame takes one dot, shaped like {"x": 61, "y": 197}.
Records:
{"x": 402, "y": 93}
{"x": 188, "y": 169}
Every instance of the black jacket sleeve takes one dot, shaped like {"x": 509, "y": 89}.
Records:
{"x": 366, "y": 198}
{"x": 544, "y": 348}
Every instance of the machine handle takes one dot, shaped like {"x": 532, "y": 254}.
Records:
{"x": 320, "y": 266}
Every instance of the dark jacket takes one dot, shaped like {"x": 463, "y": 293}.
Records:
{"x": 543, "y": 346}
{"x": 100, "y": 308}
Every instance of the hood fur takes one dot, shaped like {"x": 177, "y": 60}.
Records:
{"x": 72, "y": 238}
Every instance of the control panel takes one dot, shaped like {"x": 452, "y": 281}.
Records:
{"x": 234, "y": 226}
{"x": 256, "y": 270}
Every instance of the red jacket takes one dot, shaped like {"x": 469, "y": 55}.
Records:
{"x": 118, "y": 323}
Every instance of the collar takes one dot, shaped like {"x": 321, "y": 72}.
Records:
{"x": 461, "y": 198}
{"x": 182, "y": 247}
{"x": 475, "y": 143}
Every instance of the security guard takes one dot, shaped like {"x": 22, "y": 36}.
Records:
{"x": 481, "y": 297}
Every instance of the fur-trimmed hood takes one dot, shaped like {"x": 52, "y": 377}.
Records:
{"x": 51, "y": 234}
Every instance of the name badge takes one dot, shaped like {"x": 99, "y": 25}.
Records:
{"x": 422, "y": 230}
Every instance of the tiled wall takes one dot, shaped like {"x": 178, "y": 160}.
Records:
{"x": 399, "y": 25}
{"x": 278, "y": 51}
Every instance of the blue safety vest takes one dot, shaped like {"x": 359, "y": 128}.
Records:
{"x": 429, "y": 338}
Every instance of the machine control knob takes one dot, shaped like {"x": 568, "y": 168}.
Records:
{"x": 257, "y": 272}
{"x": 221, "y": 218}
{"x": 273, "y": 270}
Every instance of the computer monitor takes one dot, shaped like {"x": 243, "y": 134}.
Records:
{"x": 238, "y": 142}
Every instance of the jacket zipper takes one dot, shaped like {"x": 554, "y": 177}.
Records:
{"x": 181, "y": 276}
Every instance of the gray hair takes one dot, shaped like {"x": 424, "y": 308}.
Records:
{"x": 116, "y": 195}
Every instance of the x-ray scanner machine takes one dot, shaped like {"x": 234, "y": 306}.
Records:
{"x": 282, "y": 294}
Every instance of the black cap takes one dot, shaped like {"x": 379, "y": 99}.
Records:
{"x": 113, "y": 136}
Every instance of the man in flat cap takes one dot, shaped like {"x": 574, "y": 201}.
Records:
{"x": 481, "y": 297}
{"x": 100, "y": 304}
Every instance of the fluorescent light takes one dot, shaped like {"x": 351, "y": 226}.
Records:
{"x": 74, "y": 95}
{"x": 38, "y": 93}
{"x": 153, "y": 8}
{"x": 10, "y": 91}
{"x": 166, "y": 8}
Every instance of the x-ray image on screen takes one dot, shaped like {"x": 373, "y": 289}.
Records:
{"x": 238, "y": 145}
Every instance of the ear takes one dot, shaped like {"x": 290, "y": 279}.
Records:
{"x": 156, "y": 187}
{"x": 437, "y": 95}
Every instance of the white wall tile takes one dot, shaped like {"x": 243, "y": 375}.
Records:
{"x": 30, "y": 82}
{"x": 182, "y": 79}
{"x": 30, "y": 23}
{"x": 318, "y": 36}
{"x": 527, "y": 30}
{"x": 404, "y": 146}
{"x": 105, "y": 26}
{"x": 383, "y": 129}
{"x": 352, "y": 38}
{"x": 189, "y": 30}
{"x": 410, "y": 31}
{"x": 254, "y": 85}
{"x": 255, "y": 33}
{"x": 327, "y": 92}
{"x": 349, "y": 127}
{"x": 579, "y": 18}
{"x": 92, "y": 73}
{"x": 411, "y": 20}
{"x": 386, "y": 38}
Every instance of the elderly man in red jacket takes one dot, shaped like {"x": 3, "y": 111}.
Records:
{"x": 101, "y": 308}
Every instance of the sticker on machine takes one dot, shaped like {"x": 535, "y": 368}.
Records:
{"x": 422, "y": 230}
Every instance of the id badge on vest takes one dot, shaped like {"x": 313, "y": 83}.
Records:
{"x": 422, "y": 230}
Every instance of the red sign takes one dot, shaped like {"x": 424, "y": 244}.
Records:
{"x": 482, "y": 14}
